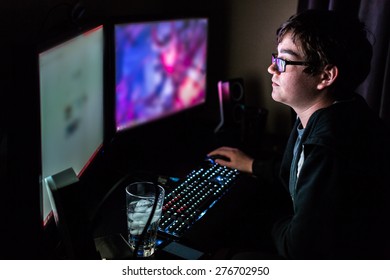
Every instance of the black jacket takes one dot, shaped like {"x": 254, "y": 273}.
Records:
{"x": 341, "y": 200}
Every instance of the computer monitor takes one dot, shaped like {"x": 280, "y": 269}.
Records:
{"x": 71, "y": 106}
{"x": 160, "y": 69}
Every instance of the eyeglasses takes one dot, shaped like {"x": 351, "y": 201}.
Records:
{"x": 281, "y": 63}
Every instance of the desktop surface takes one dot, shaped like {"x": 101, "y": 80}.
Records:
{"x": 239, "y": 221}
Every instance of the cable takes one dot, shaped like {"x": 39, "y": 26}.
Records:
{"x": 107, "y": 196}
{"x": 151, "y": 215}
{"x": 48, "y": 14}
{"x": 74, "y": 12}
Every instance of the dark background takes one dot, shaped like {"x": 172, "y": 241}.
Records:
{"x": 241, "y": 38}
{"x": 160, "y": 148}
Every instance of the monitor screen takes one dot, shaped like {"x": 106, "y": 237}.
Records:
{"x": 160, "y": 69}
{"x": 71, "y": 101}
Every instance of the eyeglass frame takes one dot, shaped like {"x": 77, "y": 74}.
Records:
{"x": 285, "y": 62}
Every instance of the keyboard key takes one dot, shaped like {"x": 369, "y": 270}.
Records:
{"x": 189, "y": 201}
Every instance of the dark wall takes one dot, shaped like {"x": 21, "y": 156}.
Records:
{"x": 24, "y": 25}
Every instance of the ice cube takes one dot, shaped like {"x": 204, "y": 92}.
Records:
{"x": 136, "y": 231}
{"x": 143, "y": 205}
{"x": 139, "y": 216}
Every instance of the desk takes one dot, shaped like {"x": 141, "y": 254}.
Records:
{"x": 240, "y": 221}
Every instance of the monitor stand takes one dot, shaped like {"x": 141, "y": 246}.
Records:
{"x": 70, "y": 217}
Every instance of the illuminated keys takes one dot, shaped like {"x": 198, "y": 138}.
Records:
{"x": 190, "y": 200}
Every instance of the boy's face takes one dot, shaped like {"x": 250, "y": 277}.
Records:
{"x": 293, "y": 87}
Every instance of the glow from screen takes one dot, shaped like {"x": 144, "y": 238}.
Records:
{"x": 71, "y": 96}
{"x": 160, "y": 69}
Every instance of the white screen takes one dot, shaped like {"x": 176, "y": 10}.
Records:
{"x": 71, "y": 92}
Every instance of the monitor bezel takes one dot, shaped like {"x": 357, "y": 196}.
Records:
{"x": 114, "y": 131}
{"x": 47, "y": 43}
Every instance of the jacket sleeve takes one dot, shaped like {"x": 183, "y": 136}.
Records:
{"x": 337, "y": 213}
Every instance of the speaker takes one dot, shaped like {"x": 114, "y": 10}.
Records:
{"x": 231, "y": 96}
{"x": 70, "y": 217}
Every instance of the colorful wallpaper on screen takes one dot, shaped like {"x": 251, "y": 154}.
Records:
{"x": 160, "y": 69}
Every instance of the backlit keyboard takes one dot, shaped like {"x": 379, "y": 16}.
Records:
{"x": 193, "y": 196}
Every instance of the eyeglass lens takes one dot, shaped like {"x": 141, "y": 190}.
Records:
{"x": 280, "y": 63}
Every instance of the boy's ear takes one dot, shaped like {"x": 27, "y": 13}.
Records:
{"x": 328, "y": 76}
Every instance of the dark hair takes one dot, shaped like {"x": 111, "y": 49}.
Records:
{"x": 331, "y": 38}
